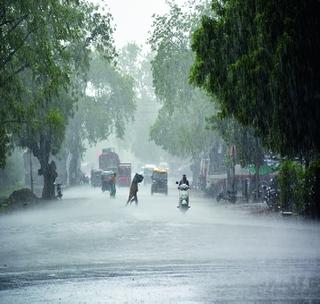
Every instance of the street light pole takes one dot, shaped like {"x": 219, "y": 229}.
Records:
{"x": 31, "y": 176}
{"x": 233, "y": 181}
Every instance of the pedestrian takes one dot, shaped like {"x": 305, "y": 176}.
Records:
{"x": 138, "y": 178}
{"x": 113, "y": 185}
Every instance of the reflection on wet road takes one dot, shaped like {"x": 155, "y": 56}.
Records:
{"x": 90, "y": 249}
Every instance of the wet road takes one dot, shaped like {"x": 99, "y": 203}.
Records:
{"x": 90, "y": 249}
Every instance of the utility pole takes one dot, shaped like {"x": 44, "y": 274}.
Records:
{"x": 233, "y": 168}
{"x": 31, "y": 176}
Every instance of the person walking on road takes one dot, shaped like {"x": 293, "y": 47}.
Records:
{"x": 138, "y": 178}
{"x": 113, "y": 185}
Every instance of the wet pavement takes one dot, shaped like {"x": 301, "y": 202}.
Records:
{"x": 88, "y": 248}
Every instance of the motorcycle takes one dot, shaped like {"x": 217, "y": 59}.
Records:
{"x": 271, "y": 198}
{"x": 229, "y": 196}
{"x": 59, "y": 191}
{"x": 183, "y": 197}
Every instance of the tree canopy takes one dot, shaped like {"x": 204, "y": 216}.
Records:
{"x": 137, "y": 63}
{"x": 44, "y": 61}
{"x": 260, "y": 59}
{"x": 105, "y": 107}
{"x": 181, "y": 126}
{"x": 41, "y": 45}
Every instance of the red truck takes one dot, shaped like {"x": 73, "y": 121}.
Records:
{"x": 124, "y": 174}
{"x": 110, "y": 161}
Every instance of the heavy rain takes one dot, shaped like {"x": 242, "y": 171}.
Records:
{"x": 159, "y": 151}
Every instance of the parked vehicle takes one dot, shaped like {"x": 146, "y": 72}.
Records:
{"x": 230, "y": 196}
{"x": 124, "y": 174}
{"x": 271, "y": 198}
{"x": 159, "y": 181}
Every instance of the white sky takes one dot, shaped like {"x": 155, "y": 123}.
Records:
{"x": 133, "y": 18}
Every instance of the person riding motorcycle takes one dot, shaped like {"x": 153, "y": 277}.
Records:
{"x": 184, "y": 180}
{"x": 183, "y": 187}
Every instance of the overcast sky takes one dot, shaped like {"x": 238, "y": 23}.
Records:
{"x": 133, "y": 18}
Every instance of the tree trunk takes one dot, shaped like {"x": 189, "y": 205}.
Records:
{"x": 2, "y": 177}
{"x": 48, "y": 170}
{"x": 49, "y": 176}
{"x": 62, "y": 170}
{"x": 257, "y": 181}
{"x": 195, "y": 169}
{"x": 74, "y": 169}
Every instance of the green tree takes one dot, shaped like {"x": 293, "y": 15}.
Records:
{"x": 41, "y": 62}
{"x": 106, "y": 108}
{"x": 259, "y": 58}
{"x": 248, "y": 147}
{"x": 180, "y": 127}
{"x": 311, "y": 192}
{"x": 13, "y": 174}
{"x": 134, "y": 61}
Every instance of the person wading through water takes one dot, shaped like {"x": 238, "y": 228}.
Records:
{"x": 113, "y": 185}
{"x": 138, "y": 178}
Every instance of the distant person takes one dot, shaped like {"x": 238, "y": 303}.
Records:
{"x": 138, "y": 178}
{"x": 113, "y": 184}
{"x": 184, "y": 180}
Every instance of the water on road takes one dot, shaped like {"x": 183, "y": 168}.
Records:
{"x": 88, "y": 248}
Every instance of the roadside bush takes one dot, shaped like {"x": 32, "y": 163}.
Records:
{"x": 13, "y": 173}
{"x": 291, "y": 179}
{"x": 312, "y": 190}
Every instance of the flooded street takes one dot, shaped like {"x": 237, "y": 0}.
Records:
{"x": 88, "y": 248}
{"x": 120, "y": 92}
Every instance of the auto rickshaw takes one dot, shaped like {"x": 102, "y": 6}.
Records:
{"x": 96, "y": 177}
{"x": 147, "y": 173}
{"x": 159, "y": 181}
{"x": 106, "y": 180}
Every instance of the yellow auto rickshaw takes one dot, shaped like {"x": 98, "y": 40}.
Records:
{"x": 159, "y": 181}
